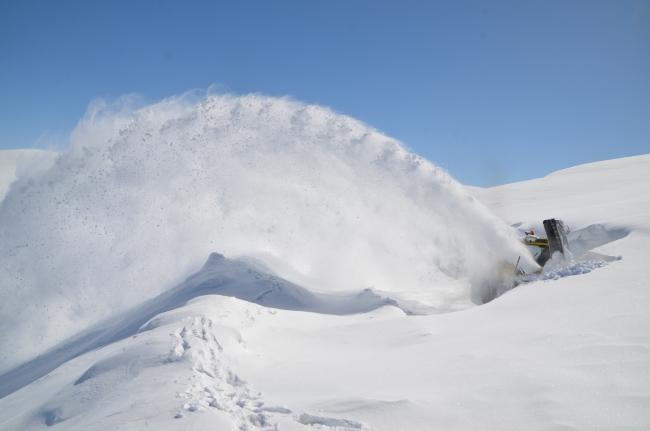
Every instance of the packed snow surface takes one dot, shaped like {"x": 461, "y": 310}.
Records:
{"x": 141, "y": 199}
{"x": 278, "y": 333}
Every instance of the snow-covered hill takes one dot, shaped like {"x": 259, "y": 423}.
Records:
{"x": 572, "y": 353}
{"x": 238, "y": 346}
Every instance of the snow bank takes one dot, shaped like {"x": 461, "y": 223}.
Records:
{"x": 141, "y": 198}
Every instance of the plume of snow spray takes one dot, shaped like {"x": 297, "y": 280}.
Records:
{"x": 141, "y": 199}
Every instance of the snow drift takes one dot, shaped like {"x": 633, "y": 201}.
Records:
{"x": 245, "y": 279}
{"x": 142, "y": 198}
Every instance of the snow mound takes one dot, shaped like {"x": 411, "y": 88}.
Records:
{"x": 243, "y": 279}
{"x": 183, "y": 367}
{"x": 141, "y": 198}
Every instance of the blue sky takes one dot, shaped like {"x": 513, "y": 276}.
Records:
{"x": 495, "y": 91}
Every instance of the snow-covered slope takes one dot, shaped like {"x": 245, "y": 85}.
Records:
{"x": 568, "y": 353}
{"x": 612, "y": 193}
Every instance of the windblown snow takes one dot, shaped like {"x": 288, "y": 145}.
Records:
{"x": 139, "y": 202}
{"x": 250, "y": 263}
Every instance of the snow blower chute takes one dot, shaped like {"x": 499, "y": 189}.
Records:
{"x": 541, "y": 249}
{"x": 556, "y": 240}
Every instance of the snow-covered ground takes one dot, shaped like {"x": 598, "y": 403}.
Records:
{"x": 239, "y": 346}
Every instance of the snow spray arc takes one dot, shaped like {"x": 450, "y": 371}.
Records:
{"x": 141, "y": 199}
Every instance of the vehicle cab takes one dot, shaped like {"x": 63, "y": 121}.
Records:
{"x": 538, "y": 247}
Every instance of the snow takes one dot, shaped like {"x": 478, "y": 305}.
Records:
{"x": 241, "y": 345}
{"x": 573, "y": 269}
{"x": 141, "y": 199}
{"x": 13, "y": 162}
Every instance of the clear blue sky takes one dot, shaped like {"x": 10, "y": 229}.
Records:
{"x": 493, "y": 91}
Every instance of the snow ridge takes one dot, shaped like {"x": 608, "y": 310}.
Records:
{"x": 243, "y": 279}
